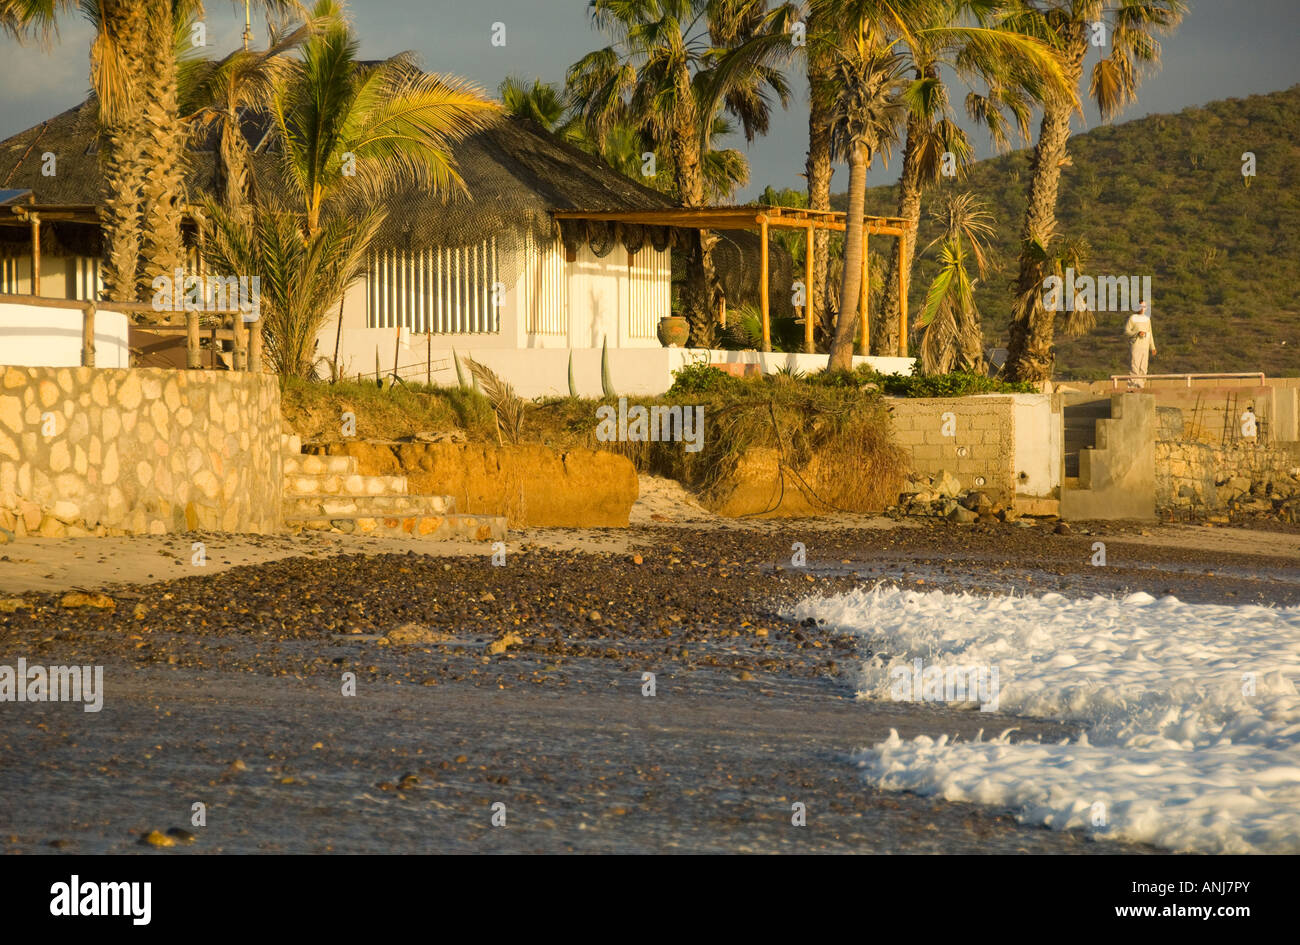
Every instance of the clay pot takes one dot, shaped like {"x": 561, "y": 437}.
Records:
{"x": 673, "y": 331}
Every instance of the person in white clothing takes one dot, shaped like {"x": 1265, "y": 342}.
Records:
{"x": 1142, "y": 344}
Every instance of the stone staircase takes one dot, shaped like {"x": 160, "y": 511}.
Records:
{"x": 327, "y": 493}
{"x": 1113, "y": 474}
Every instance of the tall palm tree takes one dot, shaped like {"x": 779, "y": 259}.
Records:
{"x": 869, "y": 77}
{"x": 673, "y": 68}
{"x": 994, "y": 42}
{"x": 951, "y": 334}
{"x": 133, "y": 70}
{"x": 820, "y": 37}
{"x": 1131, "y": 29}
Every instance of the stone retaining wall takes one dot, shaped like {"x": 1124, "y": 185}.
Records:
{"x": 141, "y": 451}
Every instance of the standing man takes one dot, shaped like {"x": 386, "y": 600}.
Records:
{"x": 1142, "y": 344}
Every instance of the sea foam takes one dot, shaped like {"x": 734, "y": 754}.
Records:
{"x": 1189, "y": 714}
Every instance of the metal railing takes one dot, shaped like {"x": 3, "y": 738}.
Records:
{"x": 1116, "y": 378}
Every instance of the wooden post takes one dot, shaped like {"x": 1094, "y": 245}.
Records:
{"x": 397, "y": 344}
{"x": 722, "y": 310}
{"x": 254, "y": 345}
{"x": 902, "y": 295}
{"x": 864, "y": 304}
{"x": 36, "y": 253}
{"x": 808, "y": 289}
{"x": 192, "y": 351}
{"x": 762, "y": 282}
{"x": 239, "y": 362}
{"x": 88, "y": 335}
{"x": 428, "y": 356}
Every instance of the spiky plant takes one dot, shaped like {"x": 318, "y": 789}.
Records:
{"x": 506, "y": 404}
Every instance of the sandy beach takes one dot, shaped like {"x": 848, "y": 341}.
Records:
{"x": 522, "y": 684}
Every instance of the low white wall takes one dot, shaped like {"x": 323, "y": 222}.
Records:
{"x": 544, "y": 372}
{"x": 42, "y": 336}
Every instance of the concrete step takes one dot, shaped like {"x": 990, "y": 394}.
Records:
{"x": 304, "y": 507}
{"x": 432, "y": 527}
{"x": 330, "y": 484}
{"x": 1035, "y": 505}
{"x": 320, "y": 465}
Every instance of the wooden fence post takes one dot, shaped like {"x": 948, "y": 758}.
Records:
{"x": 88, "y": 335}
{"x": 193, "y": 354}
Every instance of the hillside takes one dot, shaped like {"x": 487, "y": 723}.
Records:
{"x": 1164, "y": 196}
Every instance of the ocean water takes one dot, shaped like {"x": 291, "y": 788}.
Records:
{"x": 1188, "y": 714}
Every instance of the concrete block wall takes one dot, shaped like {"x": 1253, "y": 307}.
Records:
{"x": 88, "y": 451}
{"x": 980, "y": 451}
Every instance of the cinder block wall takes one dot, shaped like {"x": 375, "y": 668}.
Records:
{"x": 140, "y": 451}
{"x": 981, "y": 445}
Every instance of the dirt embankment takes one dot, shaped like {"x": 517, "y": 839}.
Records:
{"x": 531, "y": 485}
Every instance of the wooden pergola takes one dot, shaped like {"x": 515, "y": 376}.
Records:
{"x": 763, "y": 219}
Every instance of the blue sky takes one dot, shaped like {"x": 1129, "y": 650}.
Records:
{"x": 1224, "y": 49}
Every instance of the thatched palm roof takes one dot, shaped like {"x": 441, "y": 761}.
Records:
{"x": 516, "y": 174}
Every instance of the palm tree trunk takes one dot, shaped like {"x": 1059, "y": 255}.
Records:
{"x": 884, "y": 333}
{"x": 121, "y": 153}
{"x": 1030, "y": 356}
{"x": 818, "y": 171}
{"x": 162, "y": 248}
{"x": 699, "y": 293}
{"x": 841, "y": 358}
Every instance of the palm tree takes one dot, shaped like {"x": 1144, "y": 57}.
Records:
{"x": 353, "y": 135}
{"x": 302, "y": 277}
{"x": 134, "y": 77}
{"x": 350, "y": 136}
{"x": 819, "y": 69}
{"x": 993, "y": 41}
{"x": 868, "y": 109}
{"x": 1132, "y": 26}
{"x": 951, "y": 335}
{"x": 674, "y": 67}
{"x": 217, "y": 95}
{"x": 541, "y": 102}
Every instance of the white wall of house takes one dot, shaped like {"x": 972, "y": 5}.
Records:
{"x": 44, "y": 336}
{"x": 458, "y": 293}
{"x": 62, "y": 277}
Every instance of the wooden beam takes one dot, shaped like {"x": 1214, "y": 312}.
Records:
{"x": 864, "y": 330}
{"x": 902, "y": 296}
{"x": 762, "y": 282}
{"x": 809, "y": 309}
{"x": 240, "y": 354}
{"x": 255, "y": 346}
{"x": 193, "y": 354}
{"x": 35, "y": 219}
{"x": 88, "y": 335}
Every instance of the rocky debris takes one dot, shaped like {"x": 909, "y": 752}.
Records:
{"x": 499, "y": 646}
{"x": 10, "y": 604}
{"x": 94, "y": 599}
{"x": 156, "y": 838}
{"x": 415, "y": 633}
{"x": 941, "y": 497}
